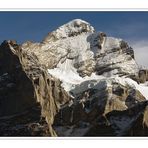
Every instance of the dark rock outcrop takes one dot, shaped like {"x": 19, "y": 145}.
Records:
{"x": 131, "y": 122}
{"x": 143, "y": 75}
{"x": 16, "y": 89}
{"x": 27, "y": 123}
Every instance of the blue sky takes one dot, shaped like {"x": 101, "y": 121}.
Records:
{"x": 34, "y": 26}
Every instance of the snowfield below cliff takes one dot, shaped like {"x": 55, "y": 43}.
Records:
{"x": 70, "y": 78}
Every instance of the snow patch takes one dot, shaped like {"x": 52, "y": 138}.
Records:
{"x": 141, "y": 87}
{"x": 66, "y": 72}
{"x": 110, "y": 43}
{"x": 69, "y": 76}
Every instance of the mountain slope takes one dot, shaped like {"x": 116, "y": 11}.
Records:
{"x": 84, "y": 81}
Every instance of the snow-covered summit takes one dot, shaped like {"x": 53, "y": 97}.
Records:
{"x": 73, "y": 28}
{"x": 70, "y": 29}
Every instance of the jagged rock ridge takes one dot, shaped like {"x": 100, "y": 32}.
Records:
{"x": 84, "y": 81}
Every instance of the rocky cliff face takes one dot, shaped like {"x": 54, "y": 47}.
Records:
{"x": 87, "y": 84}
{"x": 16, "y": 89}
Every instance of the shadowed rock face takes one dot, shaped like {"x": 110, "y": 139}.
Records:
{"x": 16, "y": 89}
{"x": 43, "y": 88}
{"x": 130, "y": 122}
{"x": 143, "y": 75}
{"x": 46, "y": 89}
{"x": 89, "y": 106}
{"x": 28, "y": 123}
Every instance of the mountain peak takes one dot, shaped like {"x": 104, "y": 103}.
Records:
{"x": 72, "y": 28}
{"x": 80, "y": 81}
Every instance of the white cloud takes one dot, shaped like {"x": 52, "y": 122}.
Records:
{"x": 141, "y": 52}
